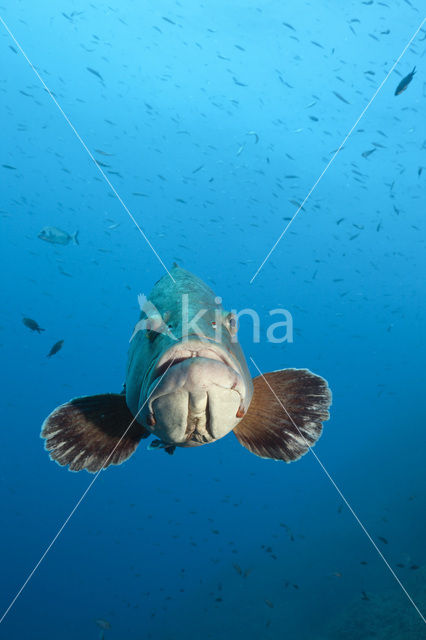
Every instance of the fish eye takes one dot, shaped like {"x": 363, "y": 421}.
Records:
{"x": 152, "y": 334}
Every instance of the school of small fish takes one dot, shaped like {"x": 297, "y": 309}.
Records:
{"x": 259, "y": 168}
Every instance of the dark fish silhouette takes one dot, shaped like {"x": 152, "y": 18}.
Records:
{"x": 341, "y": 97}
{"x": 365, "y": 154}
{"x": 405, "y": 82}
{"x": 188, "y": 384}
{"x": 32, "y": 324}
{"x": 95, "y": 73}
{"x": 56, "y": 347}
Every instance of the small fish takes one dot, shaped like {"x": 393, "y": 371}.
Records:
{"x": 365, "y": 154}
{"x": 64, "y": 273}
{"x": 95, "y": 73}
{"x": 198, "y": 169}
{"x": 341, "y": 97}
{"x": 404, "y": 83}
{"x": 103, "y": 624}
{"x": 364, "y": 596}
{"x": 9, "y": 166}
{"x": 238, "y": 83}
{"x": 297, "y": 204}
{"x": 32, "y": 324}
{"x": 253, "y": 133}
{"x": 56, "y": 347}
{"x": 383, "y": 539}
{"x": 57, "y": 236}
{"x": 103, "y": 153}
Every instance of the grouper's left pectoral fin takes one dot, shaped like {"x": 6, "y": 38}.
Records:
{"x": 92, "y": 432}
{"x": 285, "y": 415}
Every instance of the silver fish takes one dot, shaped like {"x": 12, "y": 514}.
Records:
{"x": 188, "y": 384}
{"x": 57, "y": 236}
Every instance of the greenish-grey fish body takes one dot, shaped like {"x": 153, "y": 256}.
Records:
{"x": 187, "y": 378}
{"x": 188, "y": 384}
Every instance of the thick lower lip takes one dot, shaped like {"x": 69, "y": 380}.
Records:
{"x": 192, "y": 349}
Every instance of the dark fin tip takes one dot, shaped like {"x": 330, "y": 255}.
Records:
{"x": 85, "y": 433}
{"x": 285, "y": 432}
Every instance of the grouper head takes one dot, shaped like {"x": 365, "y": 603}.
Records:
{"x": 187, "y": 380}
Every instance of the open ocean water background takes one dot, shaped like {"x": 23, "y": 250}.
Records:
{"x": 215, "y": 542}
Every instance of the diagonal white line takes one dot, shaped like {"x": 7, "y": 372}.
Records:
{"x": 314, "y": 186}
{"x": 86, "y": 148}
{"x": 342, "y": 496}
{"x": 79, "y": 502}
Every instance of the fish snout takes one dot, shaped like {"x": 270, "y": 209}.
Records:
{"x": 197, "y": 400}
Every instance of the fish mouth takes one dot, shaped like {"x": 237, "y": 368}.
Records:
{"x": 196, "y": 393}
{"x": 209, "y": 349}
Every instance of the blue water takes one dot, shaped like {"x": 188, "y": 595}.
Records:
{"x": 159, "y": 546}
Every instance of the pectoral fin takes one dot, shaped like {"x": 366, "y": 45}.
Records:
{"x": 88, "y": 432}
{"x": 285, "y": 415}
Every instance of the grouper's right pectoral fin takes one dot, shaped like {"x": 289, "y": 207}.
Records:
{"x": 286, "y": 413}
{"x": 92, "y": 432}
